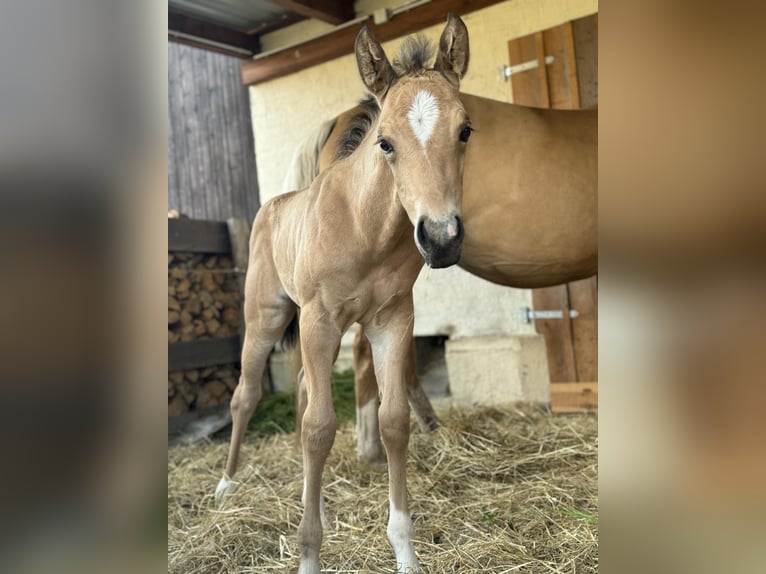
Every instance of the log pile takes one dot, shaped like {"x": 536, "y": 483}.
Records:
{"x": 200, "y": 388}
{"x": 203, "y": 297}
{"x": 203, "y": 303}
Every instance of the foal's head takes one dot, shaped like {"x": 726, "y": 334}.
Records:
{"x": 422, "y": 132}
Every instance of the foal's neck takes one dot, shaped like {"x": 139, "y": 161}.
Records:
{"x": 373, "y": 197}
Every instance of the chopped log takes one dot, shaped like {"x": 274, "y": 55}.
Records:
{"x": 212, "y": 326}
{"x": 177, "y": 406}
{"x": 173, "y": 317}
{"x": 192, "y": 375}
{"x": 193, "y": 305}
{"x": 216, "y": 388}
{"x": 230, "y": 316}
{"x": 186, "y": 317}
{"x": 176, "y": 377}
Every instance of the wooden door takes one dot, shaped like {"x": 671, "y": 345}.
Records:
{"x": 565, "y": 77}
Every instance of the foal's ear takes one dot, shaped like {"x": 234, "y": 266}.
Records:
{"x": 452, "y": 59}
{"x": 374, "y": 68}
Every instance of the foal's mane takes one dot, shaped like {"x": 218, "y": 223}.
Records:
{"x": 413, "y": 58}
{"x": 357, "y": 128}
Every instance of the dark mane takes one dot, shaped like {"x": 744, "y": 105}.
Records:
{"x": 414, "y": 55}
{"x": 358, "y": 126}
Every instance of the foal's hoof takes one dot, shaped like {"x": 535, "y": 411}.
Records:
{"x": 225, "y": 488}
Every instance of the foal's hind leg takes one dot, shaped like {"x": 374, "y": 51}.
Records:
{"x": 369, "y": 446}
{"x": 267, "y": 313}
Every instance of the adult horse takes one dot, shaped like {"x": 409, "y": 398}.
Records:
{"x": 342, "y": 251}
{"x": 529, "y": 211}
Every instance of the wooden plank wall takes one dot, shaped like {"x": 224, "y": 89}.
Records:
{"x": 211, "y": 157}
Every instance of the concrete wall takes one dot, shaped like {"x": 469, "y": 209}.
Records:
{"x": 451, "y": 302}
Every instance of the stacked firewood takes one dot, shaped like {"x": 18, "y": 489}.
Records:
{"x": 203, "y": 297}
{"x": 203, "y": 303}
{"x": 200, "y": 388}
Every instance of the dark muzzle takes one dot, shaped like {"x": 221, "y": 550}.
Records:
{"x": 440, "y": 241}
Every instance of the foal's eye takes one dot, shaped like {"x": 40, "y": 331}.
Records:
{"x": 465, "y": 134}
{"x": 385, "y": 146}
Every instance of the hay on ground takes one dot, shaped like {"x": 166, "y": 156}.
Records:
{"x": 493, "y": 490}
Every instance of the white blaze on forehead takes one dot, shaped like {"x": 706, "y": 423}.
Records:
{"x": 423, "y": 113}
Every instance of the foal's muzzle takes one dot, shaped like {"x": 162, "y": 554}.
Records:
{"x": 440, "y": 241}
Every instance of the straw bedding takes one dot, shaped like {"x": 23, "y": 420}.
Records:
{"x": 493, "y": 490}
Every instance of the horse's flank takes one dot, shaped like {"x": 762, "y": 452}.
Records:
{"x": 529, "y": 192}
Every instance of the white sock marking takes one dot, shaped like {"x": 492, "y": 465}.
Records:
{"x": 225, "y": 487}
{"x": 423, "y": 113}
{"x": 400, "y": 536}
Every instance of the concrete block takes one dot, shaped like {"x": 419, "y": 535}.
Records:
{"x": 280, "y": 369}
{"x": 498, "y": 370}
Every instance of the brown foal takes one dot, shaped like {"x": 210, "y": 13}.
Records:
{"x": 348, "y": 249}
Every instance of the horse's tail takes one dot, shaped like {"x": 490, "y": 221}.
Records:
{"x": 304, "y": 165}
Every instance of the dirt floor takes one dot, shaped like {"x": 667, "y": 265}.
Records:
{"x": 493, "y": 490}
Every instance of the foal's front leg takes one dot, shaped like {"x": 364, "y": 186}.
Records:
{"x": 319, "y": 341}
{"x": 391, "y": 341}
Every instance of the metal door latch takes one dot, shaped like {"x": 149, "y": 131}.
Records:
{"x": 527, "y": 314}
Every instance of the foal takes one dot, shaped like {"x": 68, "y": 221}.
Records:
{"x": 342, "y": 251}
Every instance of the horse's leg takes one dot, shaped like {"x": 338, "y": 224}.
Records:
{"x": 368, "y": 445}
{"x": 320, "y": 339}
{"x": 267, "y": 313}
{"x": 391, "y": 340}
{"x": 421, "y": 405}
{"x": 302, "y": 399}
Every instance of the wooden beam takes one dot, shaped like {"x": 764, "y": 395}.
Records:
{"x": 282, "y": 22}
{"x": 330, "y": 11}
{"x": 198, "y": 236}
{"x": 202, "y": 353}
{"x": 190, "y": 28}
{"x": 574, "y": 397}
{"x": 341, "y": 42}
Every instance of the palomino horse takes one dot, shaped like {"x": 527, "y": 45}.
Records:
{"x": 529, "y": 211}
{"x": 343, "y": 251}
